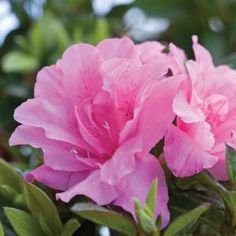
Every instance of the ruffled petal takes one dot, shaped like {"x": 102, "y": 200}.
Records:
{"x": 149, "y": 51}
{"x": 138, "y": 183}
{"x": 219, "y": 170}
{"x": 93, "y": 187}
{"x": 49, "y": 82}
{"x": 179, "y": 58}
{"x": 185, "y": 111}
{"x": 122, "y": 162}
{"x": 183, "y": 155}
{"x": 117, "y": 48}
{"x": 200, "y": 132}
{"x": 88, "y": 129}
{"x": 57, "y": 155}
{"x": 60, "y": 180}
{"x": 202, "y": 56}
{"x": 81, "y": 74}
{"x": 156, "y": 114}
{"x": 55, "y": 116}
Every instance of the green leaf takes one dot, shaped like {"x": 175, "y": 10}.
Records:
{"x": 77, "y": 35}
{"x": 186, "y": 219}
{"x": 144, "y": 217}
{"x": 229, "y": 60}
{"x": 151, "y": 197}
{"x": 7, "y": 191}
{"x": 230, "y": 203}
{"x": 47, "y": 33}
{"x": 61, "y": 35}
{"x": 228, "y": 197}
{"x": 9, "y": 177}
{"x": 43, "y": 209}
{"x": 1, "y": 230}
{"x": 70, "y": 227}
{"x": 187, "y": 182}
{"x": 23, "y": 223}
{"x": 22, "y": 42}
{"x": 231, "y": 164}
{"x": 101, "y": 30}
{"x": 19, "y": 62}
{"x": 158, "y": 225}
{"x": 19, "y": 201}
{"x": 41, "y": 36}
{"x": 103, "y": 216}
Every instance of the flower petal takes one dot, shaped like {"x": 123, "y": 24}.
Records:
{"x": 183, "y": 155}
{"x": 49, "y": 82}
{"x": 156, "y": 115}
{"x": 122, "y": 161}
{"x": 50, "y": 177}
{"x": 58, "y": 155}
{"x": 117, "y": 48}
{"x": 219, "y": 170}
{"x": 81, "y": 74}
{"x": 138, "y": 183}
{"x": 55, "y": 116}
{"x": 92, "y": 187}
{"x": 179, "y": 58}
{"x": 185, "y": 111}
{"x": 149, "y": 51}
{"x": 202, "y": 55}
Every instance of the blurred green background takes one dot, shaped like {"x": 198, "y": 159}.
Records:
{"x": 34, "y": 33}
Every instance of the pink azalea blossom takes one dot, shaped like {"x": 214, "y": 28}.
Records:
{"x": 96, "y": 114}
{"x": 206, "y": 118}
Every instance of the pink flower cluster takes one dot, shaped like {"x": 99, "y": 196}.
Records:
{"x": 98, "y": 112}
{"x": 206, "y": 118}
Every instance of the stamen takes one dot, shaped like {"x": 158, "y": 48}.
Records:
{"x": 106, "y": 125}
{"x": 73, "y": 151}
{"x": 108, "y": 128}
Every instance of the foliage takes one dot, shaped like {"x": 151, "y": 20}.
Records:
{"x": 28, "y": 209}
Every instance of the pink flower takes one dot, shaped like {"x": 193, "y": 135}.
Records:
{"x": 206, "y": 118}
{"x": 96, "y": 115}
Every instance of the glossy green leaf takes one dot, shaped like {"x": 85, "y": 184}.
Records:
{"x": 228, "y": 197}
{"x": 185, "y": 220}
{"x": 1, "y": 230}
{"x": 23, "y": 223}
{"x": 19, "y": 62}
{"x": 144, "y": 217}
{"x": 70, "y": 227}
{"x": 19, "y": 201}
{"x": 8, "y": 192}
{"x": 151, "y": 197}
{"x": 187, "y": 182}
{"x": 9, "y": 177}
{"x": 231, "y": 164}
{"x": 43, "y": 209}
{"x": 22, "y": 42}
{"x": 103, "y": 216}
{"x": 158, "y": 225}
